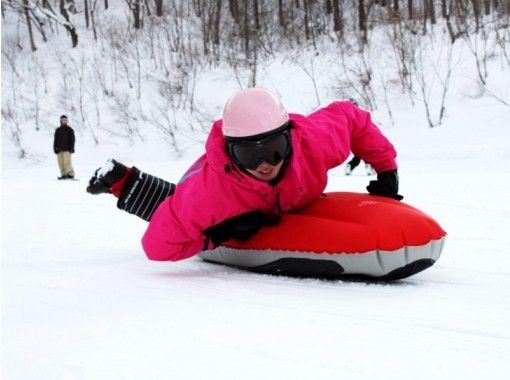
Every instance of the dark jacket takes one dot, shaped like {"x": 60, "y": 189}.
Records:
{"x": 64, "y": 139}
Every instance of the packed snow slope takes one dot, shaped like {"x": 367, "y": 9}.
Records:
{"x": 80, "y": 300}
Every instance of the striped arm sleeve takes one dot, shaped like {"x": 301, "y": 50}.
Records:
{"x": 143, "y": 193}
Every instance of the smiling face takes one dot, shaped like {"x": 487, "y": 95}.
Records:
{"x": 261, "y": 156}
{"x": 266, "y": 172}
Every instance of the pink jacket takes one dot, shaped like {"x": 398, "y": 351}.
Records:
{"x": 213, "y": 189}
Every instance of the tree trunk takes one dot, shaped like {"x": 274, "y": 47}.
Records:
{"x": 256, "y": 14}
{"x": 233, "y": 6}
{"x": 432, "y": 12}
{"x": 306, "y": 20}
{"x": 159, "y": 8}
{"x": 443, "y": 8}
{"x": 69, "y": 26}
{"x": 29, "y": 25}
{"x": 93, "y": 20}
{"x": 362, "y": 17}
{"x": 329, "y": 8}
{"x": 246, "y": 29}
{"x": 476, "y": 12}
{"x": 38, "y": 24}
{"x": 424, "y": 18}
{"x": 105, "y": 4}
{"x": 86, "y": 11}
{"x": 216, "y": 28}
{"x": 147, "y": 8}
{"x": 197, "y": 7}
{"x": 337, "y": 17}
{"x": 135, "y": 8}
{"x": 487, "y": 7}
{"x": 410, "y": 9}
{"x": 281, "y": 18}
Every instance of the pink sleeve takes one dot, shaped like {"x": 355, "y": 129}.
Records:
{"x": 166, "y": 239}
{"x": 365, "y": 139}
{"x": 368, "y": 142}
{"x": 175, "y": 231}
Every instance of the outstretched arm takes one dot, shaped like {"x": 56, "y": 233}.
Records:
{"x": 352, "y": 129}
{"x": 139, "y": 193}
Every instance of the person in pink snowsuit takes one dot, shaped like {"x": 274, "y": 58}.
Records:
{"x": 259, "y": 162}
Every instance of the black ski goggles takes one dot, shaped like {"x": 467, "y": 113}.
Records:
{"x": 249, "y": 154}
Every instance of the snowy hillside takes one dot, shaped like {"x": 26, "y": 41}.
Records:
{"x": 80, "y": 300}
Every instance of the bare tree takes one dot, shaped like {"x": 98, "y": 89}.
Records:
{"x": 93, "y": 7}
{"x": 127, "y": 116}
{"x": 256, "y": 16}
{"x": 37, "y": 11}
{"x": 11, "y": 125}
{"x": 12, "y": 129}
{"x": 66, "y": 94}
{"x": 428, "y": 53}
{"x": 362, "y": 19}
{"x": 338, "y": 25}
{"x": 86, "y": 12}
{"x": 134, "y": 7}
{"x": 402, "y": 44}
{"x": 281, "y": 15}
{"x": 37, "y": 91}
{"x": 444, "y": 8}
{"x": 29, "y": 26}
{"x": 355, "y": 74}
{"x": 66, "y": 7}
{"x": 159, "y": 8}
{"x": 431, "y": 11}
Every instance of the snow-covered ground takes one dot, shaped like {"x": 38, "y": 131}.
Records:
{"x": 80, "y": 300}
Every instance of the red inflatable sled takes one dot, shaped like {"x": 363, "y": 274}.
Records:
{"x": 341, "y": 235}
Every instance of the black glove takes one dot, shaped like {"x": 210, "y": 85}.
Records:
{"x": 241, "y": 227}
{"x": 386, "y": 185}
{"x": 106, "y": 176}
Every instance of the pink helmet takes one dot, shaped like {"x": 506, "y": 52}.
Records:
{"x": 251, "y": 112}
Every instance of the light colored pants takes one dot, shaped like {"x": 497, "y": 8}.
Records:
{"x": 64, "y": 163}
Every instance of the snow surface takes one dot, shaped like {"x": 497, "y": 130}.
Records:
{"x": 80, "y": 300}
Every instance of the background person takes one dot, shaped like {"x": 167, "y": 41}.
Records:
{"x": 63, "y": 146}
{"x": 354, "y": 162}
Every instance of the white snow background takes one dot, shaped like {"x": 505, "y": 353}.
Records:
{"x": 81, "y": 301}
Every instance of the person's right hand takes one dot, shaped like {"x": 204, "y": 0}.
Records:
{"x": 105, "y": 176}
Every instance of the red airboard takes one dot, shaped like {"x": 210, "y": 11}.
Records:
{"x": 347, "y": 223}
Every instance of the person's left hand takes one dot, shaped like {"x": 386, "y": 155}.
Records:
{"x": 386, "y": 185}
